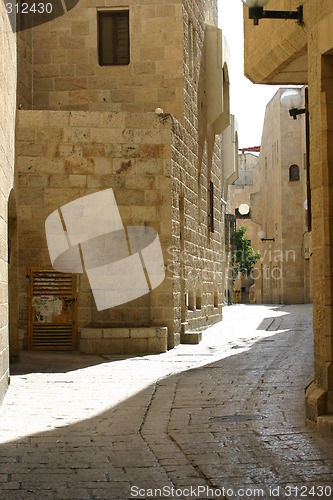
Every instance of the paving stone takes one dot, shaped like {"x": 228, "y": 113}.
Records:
{"x": 198, "y": 415}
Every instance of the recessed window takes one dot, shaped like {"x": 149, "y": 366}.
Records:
{"x": 294, "y": 173}
{"x": 190, "y": 304}
{"x": 198, "y": 300}
{"x": 113, "y": 37}
{"x": 216, "y": 298}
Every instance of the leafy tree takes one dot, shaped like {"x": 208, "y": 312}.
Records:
{"x": 244, "y": 257}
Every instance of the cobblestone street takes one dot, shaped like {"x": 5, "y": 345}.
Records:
{"x": 222, "y": 419}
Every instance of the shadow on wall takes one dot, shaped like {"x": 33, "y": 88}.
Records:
{"x": 13, "y": 270}
{"x": 206, "y": 136}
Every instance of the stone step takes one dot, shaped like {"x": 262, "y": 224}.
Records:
{"x": 183, "y": 326}
{"x": 190, "y": 337}
{"x": 325, "y": 425}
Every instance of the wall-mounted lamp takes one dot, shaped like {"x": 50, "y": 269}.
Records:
{"x": 243, "y": 211}
{"x": 256, "y": 12}
{"x": 292, "y": 100}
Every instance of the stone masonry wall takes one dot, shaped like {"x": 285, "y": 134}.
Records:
{"x": 197, "y": 162}
{"x": 261, "y": 65}
{"x": 62, "y": 156}
{"x": 320, "y": 394}
{"x": 282, "y": 270}
{"x": 67, "y": 75}
{"x": 197, "y": 250}
{"x": 276, "y": 42}
{"x": 7, "y": 126}
{"x": 24, "y": 69}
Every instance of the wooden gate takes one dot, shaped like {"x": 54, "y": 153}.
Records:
{"x": 51, "y": 310}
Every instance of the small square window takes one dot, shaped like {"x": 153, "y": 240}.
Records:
{"x": 113, "y": 38}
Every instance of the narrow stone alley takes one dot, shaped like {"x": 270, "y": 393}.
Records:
{"x": 222, "y": 419}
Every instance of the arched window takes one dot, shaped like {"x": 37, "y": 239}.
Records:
{"x": 294, "y": 173}
{"x": 226, "y": 90}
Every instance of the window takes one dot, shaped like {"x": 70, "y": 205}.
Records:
{"x": 211, "y": 205}
{"x": 190, "y": 301}
{"x": 294, "y": 173}
{"x": 113, "y": 37}
{"x": 216, "y": 298}
{"x": 198, "y": 300}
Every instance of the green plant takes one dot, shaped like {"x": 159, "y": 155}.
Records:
{"x": 244, "y": 257}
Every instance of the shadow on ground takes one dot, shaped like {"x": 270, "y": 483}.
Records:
{"x": 235, "y": 423}
{"x": 59, "y": 362}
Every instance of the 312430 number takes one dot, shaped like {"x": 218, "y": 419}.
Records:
{"x": 25, "y": 8}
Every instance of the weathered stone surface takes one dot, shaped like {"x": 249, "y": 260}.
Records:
{"x": 227, "y": 413}
{"x": 84, "y": 128}
{"x": 284, "y": 55}
{"x": 282, "y": 274}
{"x": 8, "y": 77}
{"x": 124, "y": 340}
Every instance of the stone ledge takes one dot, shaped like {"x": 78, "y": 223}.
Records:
{"x": 123, "y": 340}
{"x": 190, "y": 337}
{"x": 4, "y": 383}
{"x": 315, "y": 402}
{"x": 325, "y": 425}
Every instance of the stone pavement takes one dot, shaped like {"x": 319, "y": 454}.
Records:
{"x": 222, "y": 419}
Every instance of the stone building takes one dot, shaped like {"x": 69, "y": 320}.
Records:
{"x": 284, "y": 273}
{"x": 284, "y": 52}
{"x": 7, "y": 126}
{"x": 230, "y": 174}
{"x": 275, "y": 188}
{"x": 143, "y": 116}
{"x": 241, "y": 193}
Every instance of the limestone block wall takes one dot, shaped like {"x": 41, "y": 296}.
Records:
{"x": 283, "y": 269}
{"x": 124, "y": 340}
{"x": 241, "y": 192}
{"x": 296, "y": 265}
{"x": 166, "y": 171}
{"x": 151, "y": 163}
{"x": 62, "y": 156}
{"x": 7, "y": 126}
{"x": 262, "y": 65}
{"x": 197, "y": 251}
{"x": 66, "y": 73}
{"x": 196, "y": 154}
{"x": 25, "y": 69}
{"x": 320, "y": 393}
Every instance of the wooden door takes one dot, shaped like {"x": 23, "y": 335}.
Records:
{"x": 52, "y": 310}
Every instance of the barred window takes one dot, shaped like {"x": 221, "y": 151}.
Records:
{"x": 113, "y": 38}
